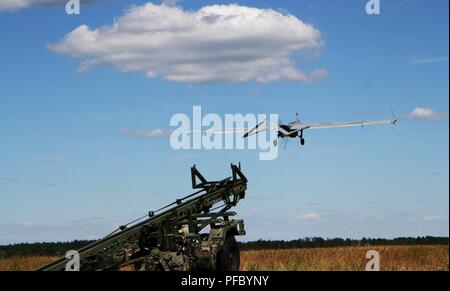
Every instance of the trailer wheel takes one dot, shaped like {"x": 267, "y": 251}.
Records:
{"x": 229, "y": 258}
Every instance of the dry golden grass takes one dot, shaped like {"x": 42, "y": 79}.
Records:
{"x": 392, "y": 258}
{"x": 398, "y": 258}
{"x": 24, "y": 263}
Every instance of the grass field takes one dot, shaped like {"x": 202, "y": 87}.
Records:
{"x": 24, "y": 263}
{"x": 395, "y": 258}
{"x": 392, "y": 258}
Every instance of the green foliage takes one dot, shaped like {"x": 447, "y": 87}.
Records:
{"x": 318, "y": 242}
{"x": 41, "y": 249}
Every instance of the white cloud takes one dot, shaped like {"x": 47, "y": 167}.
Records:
{"x": 218, "y": 43}
{"x": 429, "y": 60}
{"x": 28, "y": 224}
{"x": 170, "y": 2}
{"x": 60, "y": 231}
{"x": 309, "y": 217}
{"x": 426, "y": 114}
{"x": 432, "y": 218}
{"x": 13, "y": 4}
{"x": 18, "y": 4}
{"x": 145, "y": 133}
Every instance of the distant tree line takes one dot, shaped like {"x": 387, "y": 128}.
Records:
{"x": 41, "y": 249}
{"x": 318, "y": 242}
{"x": 60, "y": 248}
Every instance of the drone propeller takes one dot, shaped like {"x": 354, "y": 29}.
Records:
{"x": 254, "y": 129}
{"x": 394, "y": 119}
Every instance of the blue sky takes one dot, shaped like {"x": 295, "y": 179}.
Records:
{"x": 67, "y": 173}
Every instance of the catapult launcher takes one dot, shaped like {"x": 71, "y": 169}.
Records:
{"x": 192, "y": 233}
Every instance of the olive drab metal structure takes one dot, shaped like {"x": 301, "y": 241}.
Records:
{"x": 171, "y": 237}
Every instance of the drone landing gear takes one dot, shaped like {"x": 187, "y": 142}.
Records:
{"x": 302, "y": 140}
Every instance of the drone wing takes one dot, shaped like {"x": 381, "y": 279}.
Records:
{"x": 351, "y": 123}
{"x": 214, "y": 132}
{"x": 245, "y": 131}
